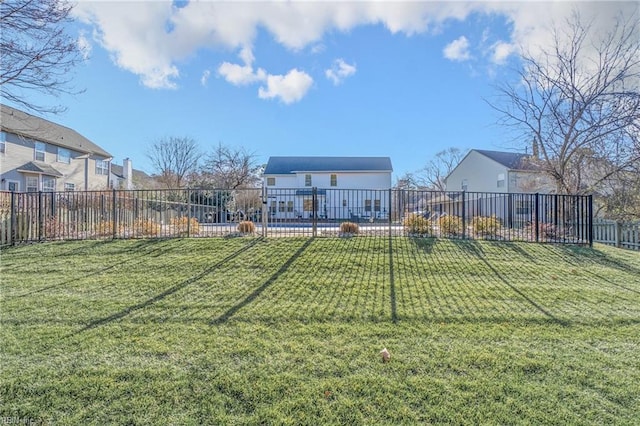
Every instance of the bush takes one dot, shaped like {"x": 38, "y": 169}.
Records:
{"x": 486, "y": 225}
{"x": 349, "y": 228}
{"x": 104, "y": 228}
{"x": 147, "y": 227}
{"x": 417, "y": 224}
{"x": 182, "y": 224}
{"x": 450, "y": 225}
{"x": 246, "y": 227}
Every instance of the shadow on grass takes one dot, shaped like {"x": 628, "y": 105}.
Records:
{"x": 251, "y": 297}
{"x": 164, "y": 294}
{"x": 475, "y": 249}
{"x": 155, "y": 251}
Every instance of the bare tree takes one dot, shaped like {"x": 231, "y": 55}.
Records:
{"x": 230, "y": 168}
{"x": 433, "y": 175}
{"x": 579, "y": 100}
{"x": 35, "y": 52}
{"x": 174, "y": 160}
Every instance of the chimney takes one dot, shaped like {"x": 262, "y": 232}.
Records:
{"x": 127, "y": 173}
{"x": 536, "y": 149}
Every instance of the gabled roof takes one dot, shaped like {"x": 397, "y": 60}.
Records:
{"x": 288, "y": 165}
{"x": 39, "y": 168}
{"x": 19, "y": 122}
{"x": 511, "y": 160}
{"x": 119, "y": 172}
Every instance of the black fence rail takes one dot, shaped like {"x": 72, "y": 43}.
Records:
{"x": 271, "y": 212}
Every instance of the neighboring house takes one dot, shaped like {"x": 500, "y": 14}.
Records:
{"x": 346, "y": 187}
{"x": 485, "y": 177}
{"x": 39, "y": 155}
{"x": 126, "y": 177}
{"x": 497, "y": 171}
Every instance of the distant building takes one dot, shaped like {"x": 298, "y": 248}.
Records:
{"x": 39, "y": 155}
{"x": 497, "y": 171}
{"x": 289, "y": 182}
{"x": 126, "y": 177}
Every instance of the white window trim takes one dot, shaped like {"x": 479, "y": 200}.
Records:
{"x": 65, "y": 160}
{"x": 26, "y": 183}
{"x": 104, "y": 169}
{"x": 48, "y": 179}
{"x": 17, "y": 182}
{"x": 67, "y": 189}
{"x": 37, "y": 151}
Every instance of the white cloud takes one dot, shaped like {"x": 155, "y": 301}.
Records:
{"x": 289, "y": 88}
{"x": 152, "y": 38}
{"x": 240, "y": 75}
{"x": 205, "y": 77}
{"x": 501, "y": 51}
{"x": 84, "y": 45}
{"x": 339, "y": 71}
{"x": 457, "y": 50}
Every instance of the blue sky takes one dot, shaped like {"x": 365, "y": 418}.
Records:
{"x": 404, "y": 80}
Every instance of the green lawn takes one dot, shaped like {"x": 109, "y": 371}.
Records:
{"x": 288, "y": 331}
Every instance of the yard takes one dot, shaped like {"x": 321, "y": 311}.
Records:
{"x": 289, "y": 330}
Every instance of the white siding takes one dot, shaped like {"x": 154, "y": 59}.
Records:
{"x": 480, "y": 172}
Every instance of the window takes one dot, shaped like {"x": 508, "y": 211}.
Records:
{"x": 501, "y": 180}
{"x": 307, "y": 205}
{"x": 307, "y": 180}
{"x": 48, "y": 183}
{"x": 69, "y": 187}
{"x": 13, "y": 186}
{"x": 272, "y": 207}
{"x": 464, "y": 184}
{"x": 102, "y": 167}
{"x": 376, "y": 205}
{"x": 281, "y": 206}
{"x": 290, "y": 206}
{"x": 39, "y": 149}
{"x": 367, "y": 205}
{"x": 271, "y": 181}
{"x": 3, "y": 140}
{"x": 334, "y": 180}
{"x": 64, "y": 155}
{"x": 344, "y": 203}
{"x": 32, "y": 183}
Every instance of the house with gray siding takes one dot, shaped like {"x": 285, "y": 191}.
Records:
{"x": 40, "y": 155}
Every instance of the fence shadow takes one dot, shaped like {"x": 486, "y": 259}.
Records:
{"x": 251, "y": 297}
{"x": 123, "y": 313}
{"x": 131, "y": 259}
{"x": 472, "y": 247}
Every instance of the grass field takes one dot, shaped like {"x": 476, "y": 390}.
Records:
{"x": 288, "y": 331}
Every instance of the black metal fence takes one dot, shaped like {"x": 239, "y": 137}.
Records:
{"x": 41, "y": 216}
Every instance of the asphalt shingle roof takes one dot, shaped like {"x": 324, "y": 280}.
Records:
{"x": 287, "y": 165}
{"x": 19, "y": 122}
{"x": 511, "y": 160}
{"x": 36, "y": 167}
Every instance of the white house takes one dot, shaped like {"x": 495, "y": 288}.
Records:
{"x": 342, "y": 187}
{"x": 39, "y": 155}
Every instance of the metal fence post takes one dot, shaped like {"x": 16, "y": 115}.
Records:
{"x": 590, "y": 220}
{"x": 264, "y": 213}
{"x": 314, "y": 219}
{"x": 113, "y": 212}
{"x": 188, "y": 212}
{"x": 464, "y": 215}
{"x": 13, "y": 220}
{"x": 389, "y": 205}
{"x": 40, "y": 219}
{"x": 535, "y": 218}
